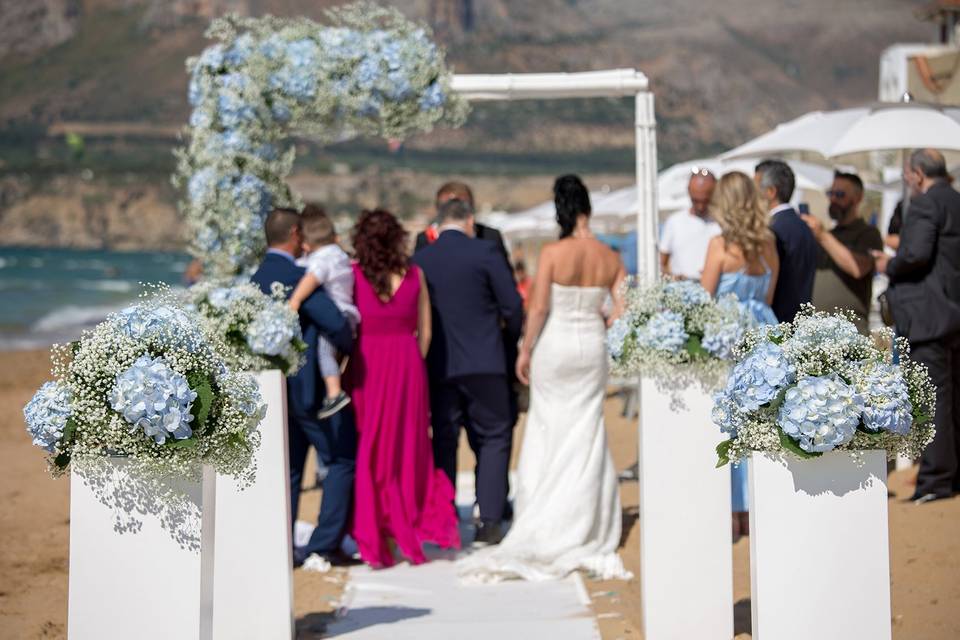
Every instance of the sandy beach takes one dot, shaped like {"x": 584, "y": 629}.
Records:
{"x": 34, "y": 527}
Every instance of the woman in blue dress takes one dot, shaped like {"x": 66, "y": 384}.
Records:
{"x": 743, "y": 261}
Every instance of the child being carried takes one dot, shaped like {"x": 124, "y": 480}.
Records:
{"x": 327, "y": 266}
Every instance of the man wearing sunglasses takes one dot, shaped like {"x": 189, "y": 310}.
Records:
{"x": 845, "y": 265}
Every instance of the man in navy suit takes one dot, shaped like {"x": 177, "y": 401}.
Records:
{"x": 335, "y": 438}
{"x": 795, "y": 242}
{"x": 475, "y": 308}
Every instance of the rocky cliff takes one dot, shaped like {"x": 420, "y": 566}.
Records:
{"x": 721, "y": 71}
{"x": 29, "y": 26}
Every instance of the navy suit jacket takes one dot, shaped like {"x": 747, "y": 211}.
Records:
{"x": 798, "y": 263}
{"x": 318, "y": 315}
{"x": 475, "y": 306}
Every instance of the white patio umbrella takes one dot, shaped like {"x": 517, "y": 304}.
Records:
{"x": 888, "y": 126}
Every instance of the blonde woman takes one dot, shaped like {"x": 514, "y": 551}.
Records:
{"x": 743, "y": 261}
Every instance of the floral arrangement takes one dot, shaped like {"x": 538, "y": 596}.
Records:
{"x": 146, "y": 384}
{"x": 369, "y": 72}
{"x": 672, "y": 323}
{"x": 259, "y": 331}
{"x": 817, "y": 385}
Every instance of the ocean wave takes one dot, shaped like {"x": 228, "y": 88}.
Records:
{"x": 90, "y": 263}
{"x": 23, "y": 284}
{"x": 118, "y": 286}
{"x": 73, "y": 317}
{"x": 23, "y": 342}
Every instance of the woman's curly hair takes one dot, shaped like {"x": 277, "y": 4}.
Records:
{"x": 379, "y": 244}
{"x": 737, "y": 209}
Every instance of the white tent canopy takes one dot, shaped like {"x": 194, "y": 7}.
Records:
{"x": 611, "y": 83}
{"x": 614, "y": 211}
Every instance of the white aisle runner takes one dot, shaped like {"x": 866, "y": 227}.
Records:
{"x": 428, "y": 601}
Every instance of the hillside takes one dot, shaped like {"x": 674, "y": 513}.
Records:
{"x": 721, "y": 71}
{"x": 113, "y": 72}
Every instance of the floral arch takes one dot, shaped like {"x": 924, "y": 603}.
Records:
{"x": 370, "y": 71}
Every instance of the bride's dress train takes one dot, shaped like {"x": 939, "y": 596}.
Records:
{"x": 568, "y": 500}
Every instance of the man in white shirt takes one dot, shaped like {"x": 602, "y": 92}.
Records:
{"x": 686, "y": 234}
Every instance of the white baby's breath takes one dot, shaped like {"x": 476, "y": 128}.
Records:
{"x": 225, "y": 406}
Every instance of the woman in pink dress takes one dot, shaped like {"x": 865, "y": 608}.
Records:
{"x": 399, "y": 496}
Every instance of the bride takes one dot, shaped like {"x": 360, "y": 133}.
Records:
{"x": 568, "y": 501}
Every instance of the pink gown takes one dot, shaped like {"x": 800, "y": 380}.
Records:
{"x": 398, "y": 492}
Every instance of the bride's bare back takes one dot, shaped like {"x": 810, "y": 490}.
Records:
{"x": 571, "y": 262}
{"x": 581, "y": 262}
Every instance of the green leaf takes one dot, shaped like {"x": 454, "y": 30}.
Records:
{"x": 695, "y": 348}
{"x": 278, "y": 363}
{"x": 235, "y": 337}
{"x": 186, "y": 443}
{"x": 299, "y": 345}
{"x": 791, "y": 445}
{"x": 723, "y": 453}
{"x": 202, "y": 385}
{"x": 876, "y": 437}
{"x": 63, "y": 458}
{"x": 774, "y": 405}
{"x": 68, "y": 430}
{"x": 75, "y": 347}
{"x": 238, "y": 441}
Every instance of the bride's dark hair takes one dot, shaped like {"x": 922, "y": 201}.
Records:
{"x": 572, "y": 199}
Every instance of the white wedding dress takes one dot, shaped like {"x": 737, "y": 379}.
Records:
{"x": 568, "y": 501}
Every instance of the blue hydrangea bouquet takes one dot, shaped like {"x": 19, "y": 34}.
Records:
{"x": 670, "y": 326}
{"x": 147, "y": 385}
{"x": 369, "y": 71}
{"x": 259, "y": 331}
{"x": 817, "y": 385}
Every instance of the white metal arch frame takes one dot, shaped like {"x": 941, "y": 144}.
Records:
{"x": 592, "y": 84}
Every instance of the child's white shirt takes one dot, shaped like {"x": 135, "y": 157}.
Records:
{"x": 330, "y": 265}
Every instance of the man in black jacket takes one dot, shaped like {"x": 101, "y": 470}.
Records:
{"x": 924, "y": 297}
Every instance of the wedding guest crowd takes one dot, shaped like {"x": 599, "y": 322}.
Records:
{"x": 429, "y": 345}
{"x": 430, "y": 341}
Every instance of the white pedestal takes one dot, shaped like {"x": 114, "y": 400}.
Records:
{"x": 135, "y": 573}
{"x": 253, "y": 593}
{"x": 686, "y": 561}
{"x": 819, "y": 558}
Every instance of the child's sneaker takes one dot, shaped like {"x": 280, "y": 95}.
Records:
{"x": 332, "y": 405}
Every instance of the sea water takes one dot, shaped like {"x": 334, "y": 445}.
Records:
{"x": 51, "y": 295}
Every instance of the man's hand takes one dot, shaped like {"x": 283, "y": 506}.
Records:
{"x": 815, "y": 225}
{"x": 881, "y": 260}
